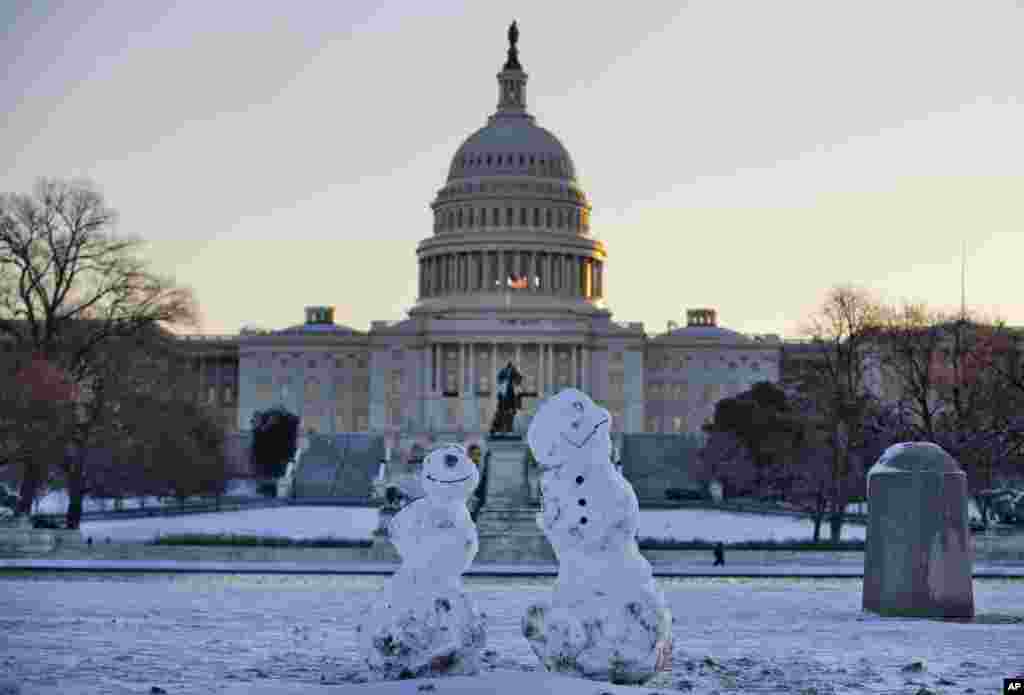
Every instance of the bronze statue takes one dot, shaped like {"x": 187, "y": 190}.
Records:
{"x": 509, "y": 400}
{"x": 513, "y": 53}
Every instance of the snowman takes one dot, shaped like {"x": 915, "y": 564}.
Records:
{"x": 423, "y": 623}
{"x": 607, "y": 619}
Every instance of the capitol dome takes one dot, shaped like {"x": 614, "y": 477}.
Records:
{"x": 511, "y": 222}
{"x": 510, "y": 145}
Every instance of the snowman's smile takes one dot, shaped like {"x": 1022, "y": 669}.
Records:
{"x": 447, "y": 482}
{"x": 587, "y": 438}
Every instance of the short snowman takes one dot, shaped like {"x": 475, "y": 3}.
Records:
{"x": 423, "y": 623}
{"x": 607, "y": 619}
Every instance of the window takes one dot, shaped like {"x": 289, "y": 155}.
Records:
{"x": 536, "y": 217}
{"x": 339, "y": 423}
{"x": 229, "y": 395}
{"x": 510, "y": 216}
{"x": 548, "y": 217}
{"x": 522, "y": 217}
{"x": 678, "y": 424}
{"x": 311, "y": 364}
{"x": 312, "y": 390}
{"x": 652, "y": 424}
{"x": 264, "y": 393}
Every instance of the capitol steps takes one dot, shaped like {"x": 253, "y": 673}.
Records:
{"x": 507, "y": 523}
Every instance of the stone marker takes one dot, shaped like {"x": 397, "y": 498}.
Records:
{"x": 607, "y": 619}
{"x": 423, "y": 623}
{"x": 917, "y": 557}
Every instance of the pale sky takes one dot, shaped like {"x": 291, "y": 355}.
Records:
{"x": 741, "y": 155}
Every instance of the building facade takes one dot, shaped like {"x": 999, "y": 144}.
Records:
{"x": 511, "y": 271}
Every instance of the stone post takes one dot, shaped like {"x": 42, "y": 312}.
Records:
{"x": 917, "y": 557}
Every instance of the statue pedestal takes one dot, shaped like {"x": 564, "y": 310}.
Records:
{"x": 506, "y": 472}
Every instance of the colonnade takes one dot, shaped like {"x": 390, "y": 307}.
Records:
{"x": 560, "y": 274}
{"x": 569, "y": 218}
{"x": 475, "y": 358}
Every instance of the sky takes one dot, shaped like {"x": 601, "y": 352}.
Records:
{"x": 745, "y": 156}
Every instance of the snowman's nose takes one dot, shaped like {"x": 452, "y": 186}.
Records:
{"x": 451, "y": 460}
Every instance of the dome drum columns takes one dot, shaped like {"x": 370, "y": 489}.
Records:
{"x": 548, "y": 273}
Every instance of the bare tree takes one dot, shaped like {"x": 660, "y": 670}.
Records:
{"x": 69, "y": 285}
{"x": 911, "y": 348}
{"x": 845, "y": 332}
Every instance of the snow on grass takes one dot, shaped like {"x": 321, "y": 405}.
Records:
{"x": 359, "y": 522}
{"x": 731, "y": 527}
{"x": 285, "y": 522}
{"x": 203, "y": 634}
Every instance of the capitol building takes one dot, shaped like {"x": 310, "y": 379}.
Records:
{"x": 510, "y": 269}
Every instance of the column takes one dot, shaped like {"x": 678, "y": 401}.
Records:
{"x": 519, "y": 355}
{"x": 567, "y": 275}
{"x": 572, "y": 369}
{"x": 551, "y": 368}
{"x": 438, "y": 354}
{"x": 541, "y": 381}
{"x": 502, "y": 272}
{"x": 462, "y": 373}
{"x": 534, "y": 270}
{"x": 474, "y": 275}
{"x": 584, "y": 362}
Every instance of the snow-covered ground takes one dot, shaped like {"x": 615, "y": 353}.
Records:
{"x": 286, "y": 522}
{"x": 208, "y": 633}
{"x": 731, "y": 527}
{"x": 359, "y": 522}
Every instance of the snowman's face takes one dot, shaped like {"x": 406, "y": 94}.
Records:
{"x": 569, "y": 426}
{"x": 449, "y": 474}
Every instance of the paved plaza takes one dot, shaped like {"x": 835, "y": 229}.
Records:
{"x": 211, "y": 633}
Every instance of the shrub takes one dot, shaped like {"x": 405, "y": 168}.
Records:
{"x": 678, "y": 494}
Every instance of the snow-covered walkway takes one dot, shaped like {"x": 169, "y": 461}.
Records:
{"x": 770, "y": 568}
{"x": 213, "y": 633}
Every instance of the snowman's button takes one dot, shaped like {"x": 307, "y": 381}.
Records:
{"x": 583, "y": 519}
{"x": 579, "y": 480}
{"x": 583, "y": 503}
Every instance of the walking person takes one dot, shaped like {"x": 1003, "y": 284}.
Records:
{"x": 719, "y": 554}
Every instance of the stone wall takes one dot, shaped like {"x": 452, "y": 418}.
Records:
{"x": 654, "y": 463}
{"x": 341, "y": 465}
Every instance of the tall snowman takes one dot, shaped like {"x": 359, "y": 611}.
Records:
{"x": 606, "y": 619}
{"x": 423, "y": 623}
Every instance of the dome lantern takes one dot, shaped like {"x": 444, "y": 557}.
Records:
{"x": 512, "y": 80}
